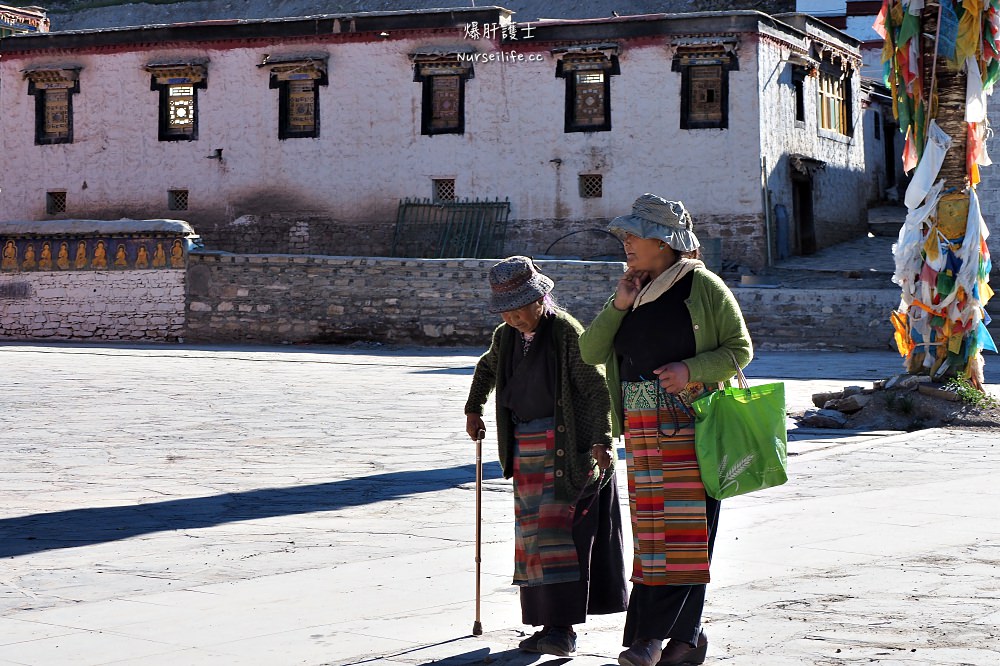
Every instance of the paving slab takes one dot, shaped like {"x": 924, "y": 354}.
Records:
{"x": 315, "y": 505}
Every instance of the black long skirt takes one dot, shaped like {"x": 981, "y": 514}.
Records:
{"x": 602, "y": 587}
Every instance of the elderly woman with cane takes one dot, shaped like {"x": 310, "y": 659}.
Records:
{"x": 553, "y": 429}
{"x": 672, "y": 331}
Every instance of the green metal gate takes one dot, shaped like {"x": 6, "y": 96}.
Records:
{"x": 438, "y": 229}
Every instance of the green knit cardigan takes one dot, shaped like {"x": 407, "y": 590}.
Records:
{"x": 582, "y": 410}
{"x": 720, "y": 334}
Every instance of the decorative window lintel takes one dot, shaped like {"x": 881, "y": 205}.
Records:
{"x": 835, "y": 58}
{"x": 296, "y": 67}
{"x": 195, "y": 71}
{"x": 441, "y": 65}
{"x": 606, "y": 49}
{"x": 708, "y": 52}
{"x": 55, "y": 77}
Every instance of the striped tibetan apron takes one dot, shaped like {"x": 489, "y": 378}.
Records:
{"x": 666, "y": 496}
{"x": 544, "y": 551}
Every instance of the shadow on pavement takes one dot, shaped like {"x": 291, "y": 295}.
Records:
{"x": 73, "y": 528}
{"x": 483, "y": 656}
{"x": 469, "y": 370}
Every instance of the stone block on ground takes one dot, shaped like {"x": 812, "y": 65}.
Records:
{"x": 822, "y": 418}
{"x": 849, "y": 404}
{"x": 820, "y": 399}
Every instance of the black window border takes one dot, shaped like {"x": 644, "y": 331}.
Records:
{"x": 283, "y": 96}
{"x": 164, "y": 112}
{"x": 799, "y": 76}
{"x": 611, "y": 68}
{"x": 427, "y": 99}
{"x": 39, "y": 95}
{"x": 729, "y": 62}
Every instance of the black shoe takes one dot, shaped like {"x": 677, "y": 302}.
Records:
{"x": 644, "y": 652}
{"x": 530, "y": 644}
{"x": 558, "y": 641}
{"x": 681, "y": 653}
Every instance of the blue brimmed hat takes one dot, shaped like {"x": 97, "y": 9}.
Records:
{"x": 515, "y": 282}
{"x": 658, "y": 218}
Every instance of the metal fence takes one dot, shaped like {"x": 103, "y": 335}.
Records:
{"x": 438, "y": 229}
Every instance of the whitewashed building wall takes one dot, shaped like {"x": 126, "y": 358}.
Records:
{"x": 370, "y": 153}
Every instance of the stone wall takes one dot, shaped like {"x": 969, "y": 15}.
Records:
{"x": 738, "y": 238}
{"x": 143, "y": 305}
{"x": 314, "y": 299}
{"x": 835, "y": 319}
{"x": 291, "y": 233}
{"x": 294, "y": 299}
{"x": 93, "y": 279}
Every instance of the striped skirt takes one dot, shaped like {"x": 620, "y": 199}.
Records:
{"x": 544, "y": 550}
{"x": 666, "y": 496}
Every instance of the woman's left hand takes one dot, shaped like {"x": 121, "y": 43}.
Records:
{"x": 602, "y": 455}
{"x": 673, "y": 377}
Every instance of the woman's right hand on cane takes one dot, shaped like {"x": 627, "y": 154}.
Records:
{"x": 474, "y": 424}
{"x": 629, "y": 286}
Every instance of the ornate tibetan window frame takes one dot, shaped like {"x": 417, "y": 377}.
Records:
{"x": 835, "y": 91}
{"x": 443, "y": 74}
{"x": 53, "y": 89}
{"x": 588, "y": 70}
{"x": 177, "y": 84}
{"x": 704, "y": 64}
{"x": 297, "y": 79}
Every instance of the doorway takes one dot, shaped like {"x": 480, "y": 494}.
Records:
{"x": 802, "y": 209}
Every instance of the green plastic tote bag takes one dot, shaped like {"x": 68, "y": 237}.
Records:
{"x": 740, "y": 438}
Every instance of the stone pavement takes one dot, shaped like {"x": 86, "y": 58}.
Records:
{"x": 315, "y": 505}
{"x": 869, "y": 256}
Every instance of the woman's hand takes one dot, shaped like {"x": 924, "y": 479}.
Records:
{"x": 602, "y": 455}
{"x": 473, "y": 424}
{"x": 629, "y": 286}
{"x": 673, "y": 377}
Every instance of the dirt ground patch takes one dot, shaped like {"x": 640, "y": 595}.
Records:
{"x": 910, "y": 409}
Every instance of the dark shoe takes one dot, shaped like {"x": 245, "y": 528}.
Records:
{"x": 559, "y": 642}
{"x": 530, "y": 644}
{"x": 644, "y": 652}
{"x": 682, "y": 653}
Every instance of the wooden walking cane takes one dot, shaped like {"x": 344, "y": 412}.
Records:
{"x": 477, "y": 626}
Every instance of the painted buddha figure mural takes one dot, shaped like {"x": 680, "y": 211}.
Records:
{"x": 81, "y": 255}
{"x": 100, "y": 256}
{"x": 177, "y": 255}
{"x": 29, "y": 263}
{"x": 62, "y": 259}
{"x": 121, "y": 257}
{"x": 159, "y": 256}
{"x": 9, "y": 262}
{"x": 45, "y": 262}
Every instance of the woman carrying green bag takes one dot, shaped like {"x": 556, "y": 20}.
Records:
{"x": 671, "y": 329}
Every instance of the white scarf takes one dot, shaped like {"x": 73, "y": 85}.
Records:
{"x": 665, "y": 280}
